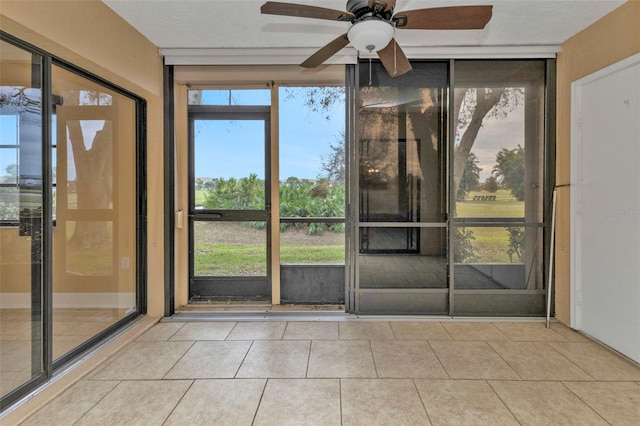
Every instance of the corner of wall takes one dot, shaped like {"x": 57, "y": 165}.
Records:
{"x": 90, "y": 35}
{"x": 614, "y": 37}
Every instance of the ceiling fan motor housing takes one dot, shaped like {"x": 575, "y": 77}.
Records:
{"x": 355, "y": 5}
{"x": 361, "y": 9}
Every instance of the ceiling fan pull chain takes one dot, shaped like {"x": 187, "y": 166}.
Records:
{"x": 395, "y": 58}
{"x": 369, "y": 70}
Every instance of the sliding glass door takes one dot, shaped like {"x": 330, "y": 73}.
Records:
{"x": 401, "y": 192}
{"x": 449, "y": 173}
{"x": 94, "y": 237}
{"x": 22, "y": 192}
{"x": 71, "y": 215}
{"x": 499, "y": 178}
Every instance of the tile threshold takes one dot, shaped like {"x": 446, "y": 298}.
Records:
{"x": 304, "y": 315}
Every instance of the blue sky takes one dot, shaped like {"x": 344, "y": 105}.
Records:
{"x": 8, "y": 124}
{"x": 225, "y": 149}
{"x": 496, "y": 134}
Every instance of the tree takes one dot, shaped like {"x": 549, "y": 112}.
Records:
{"x": 516, "y": 243}
{"x": 320, "y": 100}
{"x": 491, "y": 184}
{"x": 509, "y": 170}
{"x": 12, "y": 173}
{"x": 470, "y": 177}
{"x": 334, "y": 163}
{"x": 94, "y": 169}
{"x": 471, "y": 106}
{"x": 463, "y": 249}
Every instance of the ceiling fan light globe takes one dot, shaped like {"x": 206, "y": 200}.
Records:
{"x": 370, "y": 35}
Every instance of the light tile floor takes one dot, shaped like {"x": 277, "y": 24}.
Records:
{"x": 355, "y": 373}
{"x": 18, "y": 332}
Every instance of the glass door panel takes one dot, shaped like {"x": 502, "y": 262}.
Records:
{"x": 21, "y": 220}
{"x": 498, "y": 179}
{"x": 401, "y": 196}
{"x": 229, "y": 212}
{"x": 94, "y": 256}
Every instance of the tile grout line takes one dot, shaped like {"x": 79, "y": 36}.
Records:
{"x": 176, "y": 332}
{"x": 92, "y": 407}
{"x": 373, "y": 358}
{"x": 255, "y": 414}
{"x": 243, "y": 360}
{"x": 235, "y": 324}
{"x": 284, "y": 332}
{"x": 415, "y": 386}
{"x": 340, "y": 392}
{"x": 306, "y": 372}
{"x": 582, "y": 400}
{"x": 571, "y": 361}
{"x": 505, "y": 361}
{"x": 439, "y": 360}
{"x": 393, "y": 332}
{"x": 179, "y": 359}
{"x": 488, "y": 382}
{"x": 446, "y": 331}
{"x": 179, "y": 401}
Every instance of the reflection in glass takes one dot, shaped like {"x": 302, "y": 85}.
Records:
{"x": 94, "y": 267}
{"x": 402, "y": 178}
{"x": 389, "y": 240}
{"x": 391, "y": 182}
{"x": 90, "y": 259}
{"x": 230, "y": 249}
{"x": 21, "y": 220}
{"x": 395, "y": 270}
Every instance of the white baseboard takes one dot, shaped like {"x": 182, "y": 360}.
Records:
{"x": 72, "y": 300}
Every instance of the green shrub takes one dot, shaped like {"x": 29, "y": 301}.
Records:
{"x": 298, "y": 198}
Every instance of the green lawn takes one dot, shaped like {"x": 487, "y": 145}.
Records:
{"x": 491, "y": 244}
{"x": 312, "y": 254}
{"x": 504, "y": 205}
{"x": 250, "y": 260}
{"x": 225, "y": 260}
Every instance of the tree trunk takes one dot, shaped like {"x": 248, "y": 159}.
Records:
{"x": 484, "y": 103}
{"x": 94, "y": 182}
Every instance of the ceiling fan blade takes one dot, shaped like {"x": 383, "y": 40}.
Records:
{"x": 301, "y": 10}
{"x": 326, "y": 52}
{"x": 445, "y": 18}
{"x": 394, "y": 60}
{"x": 385, "y": 5}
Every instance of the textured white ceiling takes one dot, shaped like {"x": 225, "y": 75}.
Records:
{"x": 238, "y": 24}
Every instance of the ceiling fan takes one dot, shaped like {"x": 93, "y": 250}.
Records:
{"x": 373, "y": 24}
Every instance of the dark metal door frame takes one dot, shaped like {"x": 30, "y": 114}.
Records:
{"x": 231, "y": 287}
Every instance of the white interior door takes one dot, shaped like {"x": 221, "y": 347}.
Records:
{"x": 606, "y": 206}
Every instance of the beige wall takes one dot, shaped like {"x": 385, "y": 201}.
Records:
{"x": 90, "y": 35}
{"x": 609, "y": 40}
